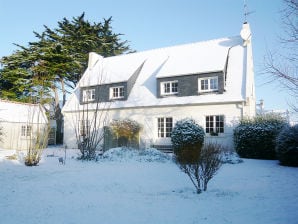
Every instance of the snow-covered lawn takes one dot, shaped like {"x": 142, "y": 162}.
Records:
{"x": 144, "y": 188}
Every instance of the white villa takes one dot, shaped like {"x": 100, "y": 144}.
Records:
{"x": 211, "y": 82}
{"x": 20, "y": 123}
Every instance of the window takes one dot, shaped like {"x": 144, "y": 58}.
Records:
{"x": 88, "y": 95}
{"x": 215, "y": 124}
{"x": 26, "y": 130}
{"x": 117, "y": 92}
{"x": 208, "y": 84}
{"x": 165, "y": 126}
{"x": 85, "y": 128}
{"x": 169, "y": 88}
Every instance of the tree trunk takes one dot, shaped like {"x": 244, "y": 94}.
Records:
{"x": 58, "y": 118}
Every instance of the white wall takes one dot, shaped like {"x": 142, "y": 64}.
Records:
{"x": 12, "y": 138}
{"x": 147, "y": 117}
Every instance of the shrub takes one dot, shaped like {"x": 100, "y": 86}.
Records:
{"x": 187, "y": 139}
{"x": 204, "y": 169}
{"x": 287, "y": 146}
{"x": 255, "y": 138}
{"x": 125, "y": 130}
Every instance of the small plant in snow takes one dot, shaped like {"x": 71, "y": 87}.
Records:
{"x": 287, "y": 146}
{"x": 199, "y": 163}
{"x": 204, "y": 169}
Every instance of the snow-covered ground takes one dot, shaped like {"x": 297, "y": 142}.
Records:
{"x": 147, "y": 188}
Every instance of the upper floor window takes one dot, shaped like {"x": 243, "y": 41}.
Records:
{"x": 165, "y": 127}
{"x": 26, "y": 130}
{"x": 117, "y": 92}
{"x": 215, "y": 124}
{"x": 88, "y": 95}
{"x": 169, "y": 88}
{"x": 208, "y": 84}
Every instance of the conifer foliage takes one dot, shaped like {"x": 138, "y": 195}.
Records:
{"x": 56, "y": 60}
{"x": 255, "y": 138}
{"x": 287, "y": 146}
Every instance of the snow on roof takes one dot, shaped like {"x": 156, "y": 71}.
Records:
{"x": 21, "y": 112}
{"x": 194, "y": 58}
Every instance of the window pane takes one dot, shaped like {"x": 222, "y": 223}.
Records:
{"x": 92, "y": 94}
{"x": 23, "y": 131}
{"x": 214, "y": 84}
{"x": 161, "y": 127}
{"x": 169, "y": 125}
{"x": 175, "y": 87}
{"x": 167, "y": 88}
{"x": 121, "y": 92}
{"x": 165, "y": 126}
{"x": 28, "y": 130}
{"x": 204, "y": 84}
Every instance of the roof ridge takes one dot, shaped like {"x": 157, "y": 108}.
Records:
{"x": 17, "y": 102}
{"x": 175, "y": 46}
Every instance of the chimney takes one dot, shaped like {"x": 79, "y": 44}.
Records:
{"x": 245, "y": 33}
{"x": 93, "y": 59}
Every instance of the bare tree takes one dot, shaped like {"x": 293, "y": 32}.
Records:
{"x": 90, "y": 117}
{"x": 37, "y": 132}
{"x": 283, "y": 66}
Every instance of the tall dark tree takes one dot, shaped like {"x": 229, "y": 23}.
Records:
{"x": 56, "y": 61}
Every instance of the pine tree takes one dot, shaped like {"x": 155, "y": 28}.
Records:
{"x": 57, "y": 60}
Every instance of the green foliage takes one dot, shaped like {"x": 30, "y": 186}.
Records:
{"x": 287, "y": 146}
{"x": 125, "y": 128}
{"x": 126, "y": 131}
{"x": 58, "y": 57}
{"x": 255, "y": 138}
{"x": 187, "y": 133}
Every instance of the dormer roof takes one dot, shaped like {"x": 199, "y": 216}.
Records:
{"x": 195, "y": 58}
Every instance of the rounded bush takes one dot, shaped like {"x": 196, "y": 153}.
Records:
{"x": 187, "y": 139}
{"x": 287, "y": 146}
{"x": 255, "y": 138}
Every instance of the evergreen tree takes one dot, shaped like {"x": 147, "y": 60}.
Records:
{"x": 57, "y": 60}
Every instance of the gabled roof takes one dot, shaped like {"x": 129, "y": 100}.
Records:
{"x": 17, "y": 112}
{"x": 194, "y": 58}
{"x": 200, "y": 57}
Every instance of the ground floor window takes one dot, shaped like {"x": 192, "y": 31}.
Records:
{"x": 26, "y": 130}
{"x": 215, "y": 124}
{"x": 85, "y": 128}
{"x": 165, "y": 126}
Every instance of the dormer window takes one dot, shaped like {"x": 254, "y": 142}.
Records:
{"x": 88, "y": 95}
{"x": 169, "y": 87}
{"x": 209, "y": 84}
{"x": 117, "y": 92}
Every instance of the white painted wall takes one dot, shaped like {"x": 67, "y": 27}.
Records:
{"x": 12, "y": 138}
{"x": 147, "y": 117}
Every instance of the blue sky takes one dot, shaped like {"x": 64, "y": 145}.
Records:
{"x": 153, "y": 24}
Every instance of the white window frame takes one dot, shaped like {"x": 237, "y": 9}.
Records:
{"x": 164, "y": 130}
{"x": 216, "y": 126}
{"x": 118, "y": 94}
{"x": 208, "y": 79}
{"x": 88, "y": 95}
{"x": 170, "y": 92}
{"x": 26, "y": 131}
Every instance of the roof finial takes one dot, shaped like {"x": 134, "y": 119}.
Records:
{"x": 246, "y": 12}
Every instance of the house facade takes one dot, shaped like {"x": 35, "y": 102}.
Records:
{"x": 22, "y": 124}
{"x": 211, "y": 82}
